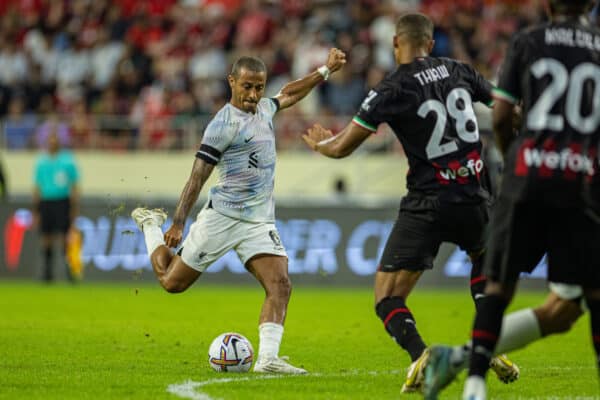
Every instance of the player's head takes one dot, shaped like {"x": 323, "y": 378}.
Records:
{"x": 414, "y": 32}
{"x": 247, "y": 80}
{"x": 53, "y": 142}
{"x": 569, "y": 7}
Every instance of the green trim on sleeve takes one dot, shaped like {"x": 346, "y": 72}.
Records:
{"x": 504, "y": 95}
{"x": 365, "y": 125}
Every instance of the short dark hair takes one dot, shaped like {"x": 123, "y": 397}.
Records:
{"x": 570, "y": 6}
{"x": 417, "y": 27}
{"x": 253, "y": 64}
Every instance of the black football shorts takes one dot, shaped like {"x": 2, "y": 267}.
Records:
{"x": 424, "y": 223}
{"x": 522, "y": 232}
{"x": 55, "y": 216}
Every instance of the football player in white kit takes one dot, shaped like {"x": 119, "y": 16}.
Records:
{"x": 239, "y": 213}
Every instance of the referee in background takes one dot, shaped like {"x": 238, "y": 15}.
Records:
{"x": 55, "y": 200}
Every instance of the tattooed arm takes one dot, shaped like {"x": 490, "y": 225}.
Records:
{"x": 200, "y": 173}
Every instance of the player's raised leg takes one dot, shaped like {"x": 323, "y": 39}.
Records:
{"x": 272, "y": 273}
{"x": 172, "y": 273}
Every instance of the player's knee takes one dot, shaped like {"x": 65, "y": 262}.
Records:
{"x": 281, "y": 287}
{"x": 559, "y": 317}
{"x": 173, "y": 286}
{"x": 560, "y": 323}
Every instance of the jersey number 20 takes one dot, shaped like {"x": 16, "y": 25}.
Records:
{"x": 540, "y": 116}
{"x": 462, "y": 115}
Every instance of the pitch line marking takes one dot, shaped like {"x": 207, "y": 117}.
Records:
{"x": 188, "y": 389}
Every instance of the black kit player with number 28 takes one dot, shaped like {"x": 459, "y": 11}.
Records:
{"x": 428, "y": 103}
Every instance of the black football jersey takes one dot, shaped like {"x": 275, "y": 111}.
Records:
{"x": 429, "y": 106}
{"x": 553, "y": 71}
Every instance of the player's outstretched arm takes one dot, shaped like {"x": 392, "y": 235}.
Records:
{"x": 200, "y": 173}
{"x": 339, "y": 146}
{"x": 295, "y": 91}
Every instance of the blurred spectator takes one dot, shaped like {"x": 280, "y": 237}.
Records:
{"x": 344, "y": 92}
{"x": 207, "y": 62}
{"x": 255, "y": 26}
{"x": 13, "y": 63}
{"x": 82, "y": 127}
{"x": 110, "y": 54}
{"x": 152, "y": 113}
{"x": 52, "y": 126}
{"x": 114, "y": 131}
{"x": 34, "y": 89}
{"x": 105, "y": 56}
{"x": 19, "y": 126}
{"x": 55, "y": 199}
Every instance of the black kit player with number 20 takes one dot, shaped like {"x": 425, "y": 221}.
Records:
{"x": 550, "y": 195}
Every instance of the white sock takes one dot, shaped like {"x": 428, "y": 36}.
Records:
{"x": 518, "y": 330}
{"x": 154, "y": 237}
{"x": 270, "y": 335}
{"x": 460, "y": 356}
{"x": 474, "y": 388}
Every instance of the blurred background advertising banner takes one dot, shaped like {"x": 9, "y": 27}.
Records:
{"x": 326, "y": 244}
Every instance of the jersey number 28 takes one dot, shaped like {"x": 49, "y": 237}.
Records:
{"x": 460, "y": 108}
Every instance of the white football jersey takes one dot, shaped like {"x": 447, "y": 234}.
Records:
{"x": 242, "y": 146}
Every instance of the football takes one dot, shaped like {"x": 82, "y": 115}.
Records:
{"x": 230, "y": 352}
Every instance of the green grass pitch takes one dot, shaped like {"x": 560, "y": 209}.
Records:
{"x": 132, "y": 341}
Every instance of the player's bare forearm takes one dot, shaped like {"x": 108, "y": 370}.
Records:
{"x": 339, "y": 146}
{"x": 200, "y": 173}
{"x": 296, "y": 90}
{"x": 332, "y": 148}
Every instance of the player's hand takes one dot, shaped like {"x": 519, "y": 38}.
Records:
{"x": 315, "y": 135}
{"x": 336, "y": 59}
{"x": 173, "y": 235}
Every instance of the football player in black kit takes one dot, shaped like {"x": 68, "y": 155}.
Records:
{"x": 550, "y": 195}
{"x": 428, "y": 103}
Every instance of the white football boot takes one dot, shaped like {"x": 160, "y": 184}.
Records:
{"x": 277, "y": 365}
{"x": 143, "y": 215}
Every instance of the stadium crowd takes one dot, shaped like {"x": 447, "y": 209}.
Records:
{"x": 124, "y": 74}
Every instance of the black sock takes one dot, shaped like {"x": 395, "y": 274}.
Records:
{"x": 47, "y": 254}
{"x": 594, "y": 307}
{"x": 401, "y": 325}
{"x": 486, "y": 331}
{"x": 477, "y": 280}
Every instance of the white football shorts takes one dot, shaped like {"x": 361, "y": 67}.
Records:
{"x": 214, "y": 234}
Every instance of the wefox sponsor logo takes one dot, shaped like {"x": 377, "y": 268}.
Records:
{"x": 458, "y": 172}
{"x": 547, "y": 160}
